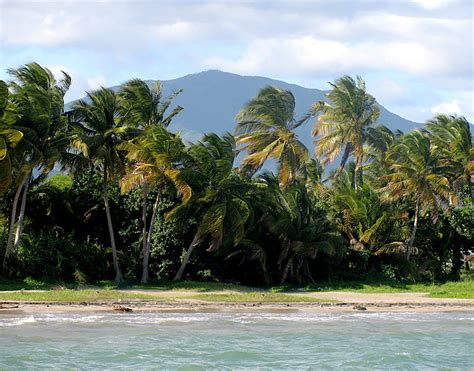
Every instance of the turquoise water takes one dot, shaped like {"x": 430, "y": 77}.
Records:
{"x": 238, "y": 340}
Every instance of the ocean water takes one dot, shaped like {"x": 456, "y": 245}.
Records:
{"x": 296, "y": 341}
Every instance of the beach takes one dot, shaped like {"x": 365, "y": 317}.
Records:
{"x": 182, "y": 301}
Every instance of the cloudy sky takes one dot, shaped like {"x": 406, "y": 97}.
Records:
{"x": 416, "y": 55}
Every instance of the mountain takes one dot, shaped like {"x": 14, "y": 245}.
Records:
{"x": 211, "y": 100}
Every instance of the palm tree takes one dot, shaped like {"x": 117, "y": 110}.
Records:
{"x": 100, "y": 129}
{"x": 9, "y": 138}
{"x": 416, "y": 175}
{"x": 37, "y": 105}
{"x": 378, "y": 143}
{"x": 369, "y": 223}
{"x": 156, "y": 158}
{"x": 147, "y": 112}
{"x": 300, "y": 226}
{"x": 266, "y": 130}
{"x": 452, "y": 140}
{"x": 144, "y": 104}
{"x": 220, "y": 199}
{"x": 342, "y": 123}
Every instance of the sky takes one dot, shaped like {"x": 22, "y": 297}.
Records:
{"x": 416, "y": 56}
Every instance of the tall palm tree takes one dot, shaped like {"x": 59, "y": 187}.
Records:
{"x": 415, "y": 175}
{"x": 144, "y": 104}
{"x": 100, "y": 129}
{"x": 451, "y": 137}
{"x": 150, "y": 163}
{"x": 342, "y": 123}
{"x": 9, "y": 138}
{"x": 37, "y": 105}
{"x": 220, "y": 202}
{"x": 156, "y": 158}
{"x": 378, "y": 143}
{"x": 266, "y": 130}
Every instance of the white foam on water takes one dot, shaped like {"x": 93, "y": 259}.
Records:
{"x": 17, "y": 321}
{"x": 139, "y": 319}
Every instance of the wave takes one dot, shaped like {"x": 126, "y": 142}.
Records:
{"x": 139, "y": 319}
{"x": 17, "y": 321}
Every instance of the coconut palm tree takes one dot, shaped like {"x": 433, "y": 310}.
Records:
{"x": 342, "y": 123}
{"x": 266, "y": 130}
{"x": 378, "y": 143}
{"x": 300, "y": 226}
{"x": 368, "y": 223}
{"x": 156, "y": 158}
{"x": 144, "y": 104}
{"x": 37, "y": 106}
{"x": 147, "y": 112}
{"x": 100, "y": 130}
{"x": 9, "y": 138}
{"x": 220, "y": 199}
{"x": 452, "y": 140}
{"x": 416, "y": 176}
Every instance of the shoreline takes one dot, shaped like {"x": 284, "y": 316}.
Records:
{"x": 195, "y": 306}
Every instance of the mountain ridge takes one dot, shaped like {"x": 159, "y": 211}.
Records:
{"x": 211, "y": 99}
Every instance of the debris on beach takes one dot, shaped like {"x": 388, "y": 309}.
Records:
{"x": 121, "y": 308}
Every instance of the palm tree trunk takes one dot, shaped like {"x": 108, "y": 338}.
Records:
{"x": 118, "y": 272}
{"x": 287, "y": 269}
{"x": 358, "y": 172}
{"x": 12, "y": 220}
{"x": 469, "y": 187}
{"x": 266, "y": 276}
{"x": 149, "y": 235}
{"x": 21, "y": 217}
{"x": 345, "y": 157}
{"x": 179, "y": 275}
{"x": 144, "y": 235}
{"x": 413, "y": 232}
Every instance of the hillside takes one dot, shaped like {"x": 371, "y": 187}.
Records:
{"x": 211, "y": 99}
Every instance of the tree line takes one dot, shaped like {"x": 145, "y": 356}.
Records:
{"x": 398, "y": 205}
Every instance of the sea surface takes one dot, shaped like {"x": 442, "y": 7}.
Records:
{"x": 296, "y": 341}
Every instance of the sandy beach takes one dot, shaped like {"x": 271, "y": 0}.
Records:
{"x": 171, "y": 302}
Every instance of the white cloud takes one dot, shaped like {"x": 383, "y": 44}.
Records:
{"x": 462, "y": 104}
{"x": 175, "y": 31}
{"x": 432, "y": 4}
{"x": 447, "y": 107}
{"x": 322, "y": 56}
{"x": 96, "y": 82}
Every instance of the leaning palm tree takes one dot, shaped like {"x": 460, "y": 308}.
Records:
{"x": 266, "y": 130}
{"x": 100, "y": 129}
{"x": 147, "y": 111}
{"x": 416, "y": 176}
{"x": 36, "y": 106}
{"x": 156, "y": 158}
{"x": 342, "y": 123}
{"x": 220, "y": 201}
{"x": 452, "y": 140}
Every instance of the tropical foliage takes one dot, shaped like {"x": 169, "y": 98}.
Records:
{"x": 134, "y": 200}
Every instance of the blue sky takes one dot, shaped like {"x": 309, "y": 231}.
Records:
{"x": 415, "y": 55}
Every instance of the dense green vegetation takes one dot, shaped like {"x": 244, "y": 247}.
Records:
{"x": 135, "y": 202}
